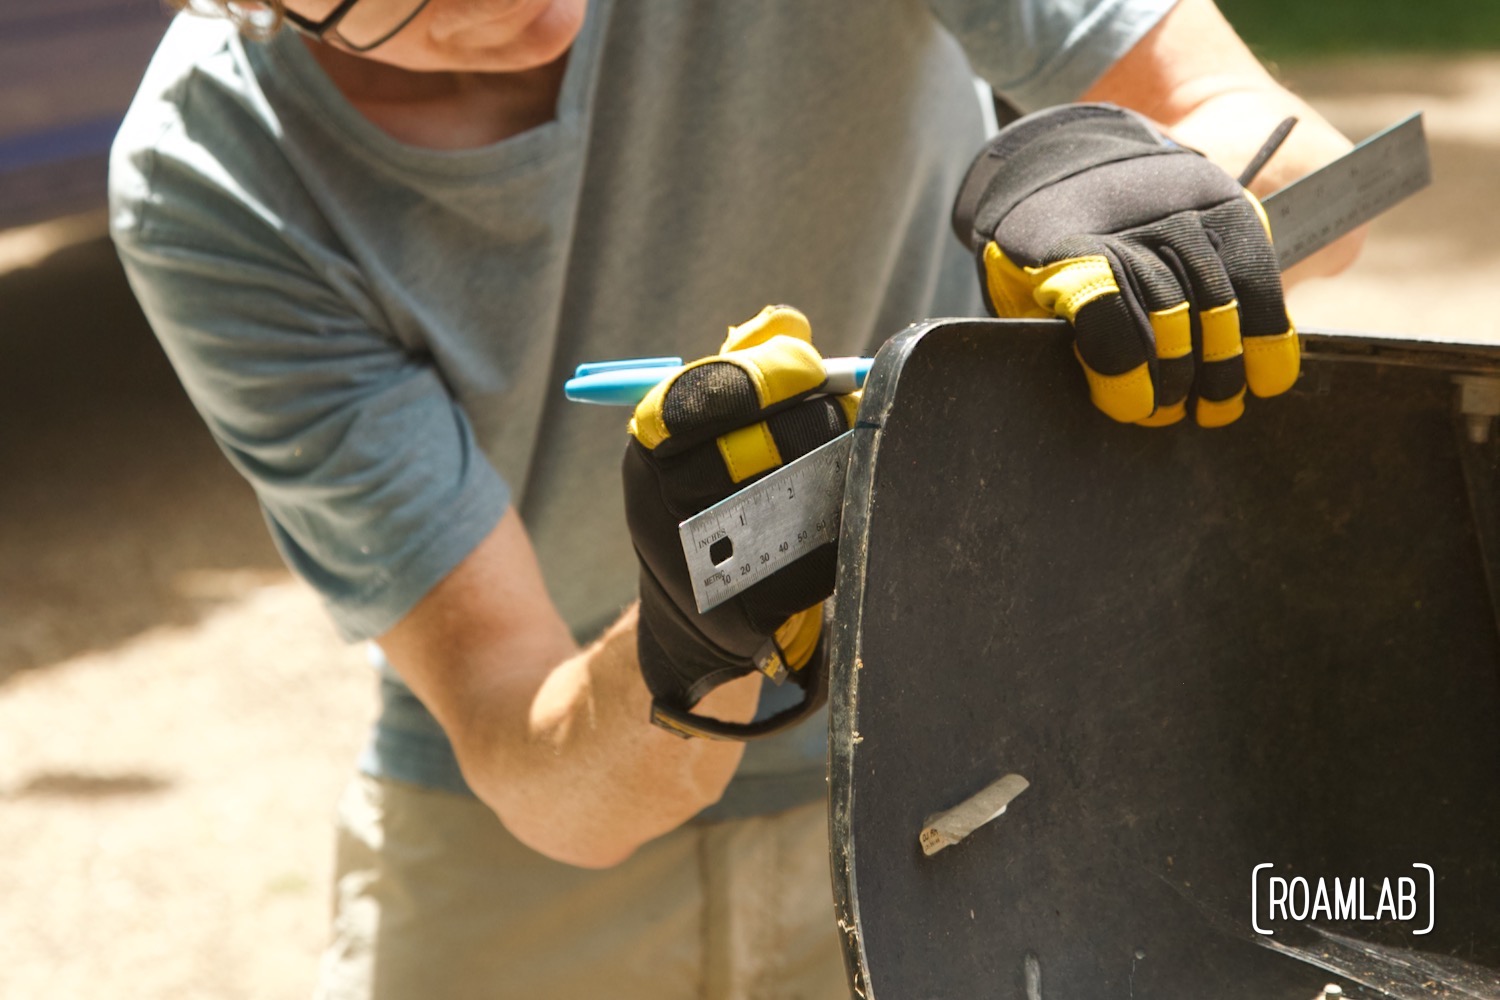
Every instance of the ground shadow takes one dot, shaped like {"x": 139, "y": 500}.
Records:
{"x": 80, "y": 785}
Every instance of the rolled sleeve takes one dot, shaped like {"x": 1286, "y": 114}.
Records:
{"x": 366, "y": 467}
{"x": 1043, "y": 52}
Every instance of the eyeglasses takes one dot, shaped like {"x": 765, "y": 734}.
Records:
{"x": 359, "y": 25}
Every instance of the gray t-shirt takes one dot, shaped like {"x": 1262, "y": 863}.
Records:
{"x": 377, "y": 334}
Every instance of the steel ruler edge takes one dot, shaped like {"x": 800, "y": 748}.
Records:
{"x": 1313, "y": 211}
{"x": 751, "y": 534}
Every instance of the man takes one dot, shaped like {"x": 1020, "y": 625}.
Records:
{"x": 374, "y": 247}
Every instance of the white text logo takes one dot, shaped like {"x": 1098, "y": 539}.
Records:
{"x": 1402, "y": 899}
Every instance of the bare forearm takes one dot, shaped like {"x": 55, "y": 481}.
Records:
{"x": 568, "y": 760}
{"x": 556, "y": 740}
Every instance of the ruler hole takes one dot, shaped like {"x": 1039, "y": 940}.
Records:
{"x": 721, "y": 551}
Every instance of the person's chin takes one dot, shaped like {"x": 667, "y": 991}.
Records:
{"x": 541, "y": 42}
{"x": 551, "y": 34}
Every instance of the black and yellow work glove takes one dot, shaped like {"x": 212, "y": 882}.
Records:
{"x": 701, "y": 435}
{"x": 1160, "y": 260}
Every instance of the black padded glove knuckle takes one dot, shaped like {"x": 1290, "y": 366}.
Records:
{"x": 1160, "y": 260}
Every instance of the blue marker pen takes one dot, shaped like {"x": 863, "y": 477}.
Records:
{"x": 625, "y": 383}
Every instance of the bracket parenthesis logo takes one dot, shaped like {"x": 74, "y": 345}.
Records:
{"x": 1254, "y": 907}
{"x": 1431, "y": 899}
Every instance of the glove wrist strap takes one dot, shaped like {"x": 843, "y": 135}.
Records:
{"x": 686, "y": 724}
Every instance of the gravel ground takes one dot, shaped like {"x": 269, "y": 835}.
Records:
{"x": 176, "y": 715}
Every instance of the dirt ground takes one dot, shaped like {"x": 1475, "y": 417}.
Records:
{"x": 176, "y": 715}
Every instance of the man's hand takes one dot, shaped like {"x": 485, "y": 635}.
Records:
{"x": 1159, "y": 259}
{"x": 696, "y": 438}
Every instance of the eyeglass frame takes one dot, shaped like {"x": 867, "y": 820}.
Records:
{"x": 329, "y": 26}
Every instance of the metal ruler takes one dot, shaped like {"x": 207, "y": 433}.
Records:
{"x": 748, "y": 536}
{"x": 1313, "y": 211}
{"x": 744, "y": 538}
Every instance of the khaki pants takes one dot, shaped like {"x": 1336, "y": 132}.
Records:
{"x": 433, "y": 899}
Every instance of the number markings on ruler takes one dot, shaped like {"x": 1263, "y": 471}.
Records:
{"x": 739, "y": 541}
{"x": 1312, "y": 212}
